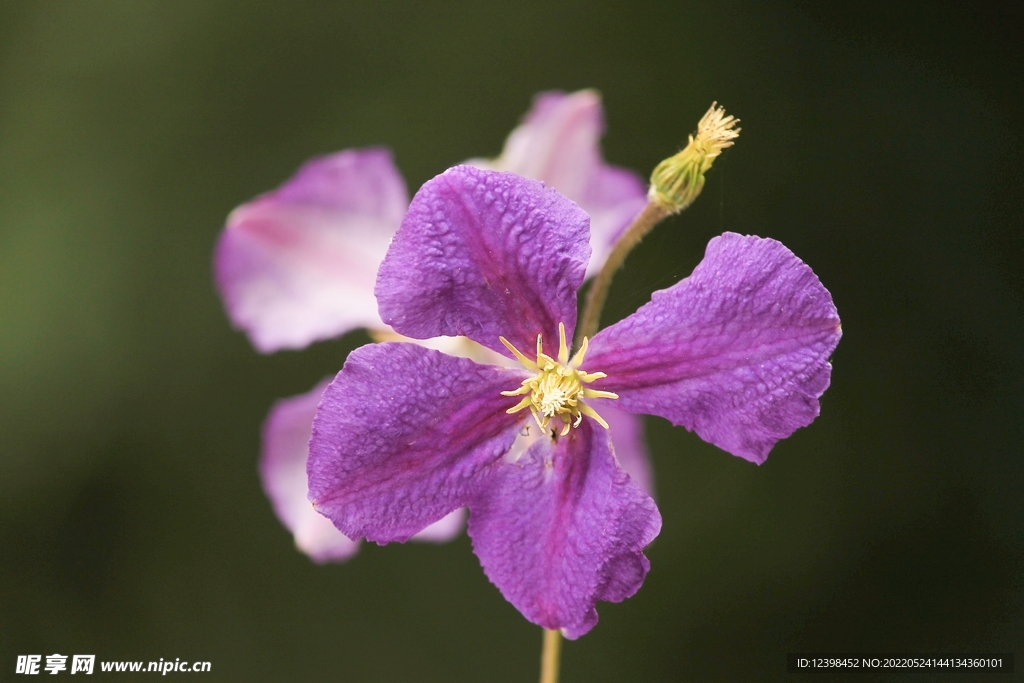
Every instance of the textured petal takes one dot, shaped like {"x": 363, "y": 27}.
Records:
{"x": 298, "y": 264}
{"x": 283, "y": 473}
{"x": 737, "y": 352}
{"x": 627, "y": 436}
{"x": 483, "y": 254}
{"x": 402, "y": 436}
{"x": 563, "y": 527}
{"x": 558, "y": 142}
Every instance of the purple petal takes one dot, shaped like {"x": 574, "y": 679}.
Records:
{"x": 561, "y": 528}
{"x": 626, "y": 432}
{"x": 558, "y": 142}
{"x": 403, "y": 434}
{"x": 737, "y": 352}
{"x": 484, "y": 254}
{"x": 298, "y": 264}
{"x": 283, "y": 473}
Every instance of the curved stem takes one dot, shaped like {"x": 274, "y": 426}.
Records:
{"x": 550, "y": 656}
{"x": 652, "y": 214}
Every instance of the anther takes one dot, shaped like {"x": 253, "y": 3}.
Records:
{"x": 556, "y": 390}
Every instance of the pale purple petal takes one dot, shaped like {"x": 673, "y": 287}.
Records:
{"x": 558, "y": 142}
{"x": 737, "y": 352}
{"x": 484, "y": 254}
{"x": 563, "y": 527}
{"x": 283, "y": 473}
{"x": 627, "y": 435}
{"x": 403, "y": 434}
{"x": 298, "y": 264}
{"x": 444, "y": 529}
{"x": 614, "y": 198}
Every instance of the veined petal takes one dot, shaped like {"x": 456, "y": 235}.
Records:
{"x": 282, "y": 469}
{"x": 484, "y": 254}
{"x": 558, "y": 142}
{"x": 737, "y": 352}
{"x": 402, "y": 436}
{"x": 298, "y": 264}
{"x": 561, "y": 528}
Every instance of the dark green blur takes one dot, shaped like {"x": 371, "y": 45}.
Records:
{"x": 882, "y": 145}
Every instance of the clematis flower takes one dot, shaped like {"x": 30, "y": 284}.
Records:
{"x": 737, "y": 352}
{"x": 298, "y": 264}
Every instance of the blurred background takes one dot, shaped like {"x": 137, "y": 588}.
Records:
{"x": 882, "y": 145}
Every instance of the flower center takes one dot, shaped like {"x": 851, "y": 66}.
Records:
{"x": 556, "y": 390}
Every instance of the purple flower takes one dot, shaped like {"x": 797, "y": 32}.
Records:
{"x": 298, "y": 264}
{"x": 737, "y": 352}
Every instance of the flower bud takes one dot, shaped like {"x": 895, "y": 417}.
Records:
{"x": 678, "y": 180}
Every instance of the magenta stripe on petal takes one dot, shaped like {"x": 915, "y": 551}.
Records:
{"x": 563, "y": 527}
{"x": 484, "y": 254}
{"x": 403, "y": 434}
{"x": 737, "y": 352}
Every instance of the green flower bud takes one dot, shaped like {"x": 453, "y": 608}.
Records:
{"x": 678, "y": 180}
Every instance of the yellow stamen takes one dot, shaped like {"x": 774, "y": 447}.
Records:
{"x": 577, "y": 360}
{"x": 594, "y": 393}
{"x": 587, "y": 410}
{"x": 556, "y": 390}
{"x": 530, "y": 365}
{"x": 563, "y": 349}
{"x": 519, "y": 406}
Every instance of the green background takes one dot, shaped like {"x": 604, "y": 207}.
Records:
{"x": 881, "y": 143}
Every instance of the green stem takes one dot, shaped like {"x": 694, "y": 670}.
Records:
{"x": 550, "y": 656}
{"x": 645, "y": 221}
